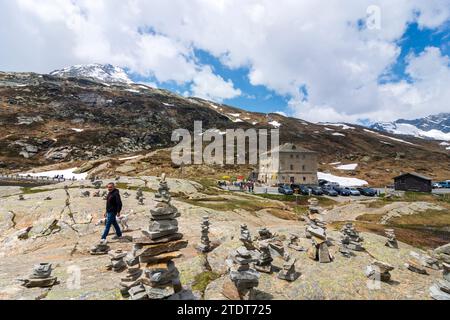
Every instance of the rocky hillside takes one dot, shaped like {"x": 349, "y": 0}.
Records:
{"x": 49, "y": 119}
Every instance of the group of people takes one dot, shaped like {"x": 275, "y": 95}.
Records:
{"x": 242, "y": 185}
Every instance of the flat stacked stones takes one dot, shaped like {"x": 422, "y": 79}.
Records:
{"x": 85, "y": 194}
{"x": 117, "y": 260}
{"x": 391, "y": 239}
{"x": 288, "y": 272}
{"x": 264, "y": 263}
{"x": 351, "y": 238}
{"x": 425, "y": 260}
{"x": 205, "y": 243}
{"x": 242, "y": 276}
{"x": 141, "y": 201}
{"x": 265, "y": 234}
{"x": 139, "y": 193}
{"x": 415, "y": 266}
{"x": 41, "y": 277}
{"x": 126, "y": 195}
{"x": 319, "y": 249}
{"x": 379, "y": 271}
{"x": 246, "y": 237}
{"x": 440, "y": 290}
{"x": 442, "y": 253}
{"x": 156, "y": 249}
{"x": 21, "y": 198}
{"x": 294, "y": 243}
{"x": 100, "y": 249}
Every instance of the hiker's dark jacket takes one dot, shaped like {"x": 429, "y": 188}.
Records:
{"x": 113, "y": 202}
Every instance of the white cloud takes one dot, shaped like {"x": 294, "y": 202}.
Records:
{"x": 285, "y": 45}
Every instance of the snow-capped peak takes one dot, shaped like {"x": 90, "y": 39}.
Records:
{"x": 101, "y": 72}
{"x": 436, "y": 127}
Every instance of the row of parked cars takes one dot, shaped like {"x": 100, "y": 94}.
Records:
{"x": 441, "y": 184}
{"x": 330, "y": 189}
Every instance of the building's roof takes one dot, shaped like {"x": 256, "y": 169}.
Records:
{"x": 290, "y": 147}
{"x": 414, "y": 174}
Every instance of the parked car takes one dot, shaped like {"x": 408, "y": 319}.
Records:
{"x": 304, "y": 190}
{"x": 353, "y": 191}
{"x": 445, "y": 184}
{"x": 342, "y": 191}
{"x": 329, "y": 191}
{"x": 317, "y": 191}
{"x": 437, "y": 185}
{"x": 322, "y": 182}
{"x": 285, "y": 189}
{"x": 367, "y": 192}
{"x": 295, "y": 188}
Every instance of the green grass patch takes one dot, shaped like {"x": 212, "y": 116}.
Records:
{"x": 229, "y": 205}
{"x": 202, "y": 280}
{"x": 30, "y": 190}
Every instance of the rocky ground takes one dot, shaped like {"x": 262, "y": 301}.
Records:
{"x": 63, "y": 230}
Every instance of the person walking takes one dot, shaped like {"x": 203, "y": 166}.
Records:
{"x": 113, "y": 209}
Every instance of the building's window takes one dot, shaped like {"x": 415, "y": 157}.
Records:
{"x": 303, "y": 168}
{"x": 304, "y": 178}
{"x": 292, "y": 167}
{"x": 304, "y": 157}
{"x": 292, "y": 156}
{"x": 297, "y": 156}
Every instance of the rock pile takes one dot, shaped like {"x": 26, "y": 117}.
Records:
{"x": 264, "y": 234}
{"x": 246, "y": 237}
{"x": 440, "y": 290}
{"x": 139, "y": 193}
{"x": 85, "y": 194}
{"x": 41, "y": 277}
{"x": 126, "y": 195}
{"x": 21, "y": 198}
{"x": 391, "y": 239}
{"x": 117, "y": 260}
{"x": 319, "y": 249}
{"x": 425, "y": 260}
{"x": 141, "y": 201}
{"x": 264, "y": 263}
{"x": 157, "y": 247}
{"x": 442, "y": 253}
{"x": 379, "y": 271}
{"x": 288, "y": 272}
{"x": 351, "y": 238}
{"x": 100, "y": 249}
{"x": 294, "y": 243}
{"x": 205, "y": 245}
{"x": 244, "y": 278}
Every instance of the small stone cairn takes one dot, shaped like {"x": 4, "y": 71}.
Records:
{"x": 158, "y": 246}
{"x": 139, "y": 193}
{"x": 117, "y": 260}
{"x": 264, "y": 263}
{"x": 126, "y": 195}
{"x": 440, "y": 290}
{"x": 379, "y": 271}
{"x": 288, "y": 272}
{"x": 351, "y": 238}
{"x": 41, "y": 277}
{"x": 96, "y": 194}
{"x": 294, "y": 243}
{"x": 246, "y": 237}
{"x": 21, "y": 198}
{"x": 85, "y": 194}
{"x": 243, "y": 278}
{"x": 101, "y": 248}
{"x": 205, "y": 245}
{"x": 141, "y": 201}
{"x": 391, "y": 239}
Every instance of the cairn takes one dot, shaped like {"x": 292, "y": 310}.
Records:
{"x": 264, "y": 234}
{"x": 156, "y": 249}
{"x": 264, "y": 263}
{"x": 101, "y": 248}
{"x": 21, "y": 198}
{"x": 126, "y": 195}
{"x": 41, "y": 277}
{"x": 97, "y": 184}
{"x": 319, "y": 249}
{"x": 48, "y": 198}
{"x": 351, "y": 238}
{"x": 440, "y": 290}
{"x": 205, "y": 245}
{"x": 425, "y": 260}
{"x": 391, "y": 239}
{"x": 139, "y": 193}
{"x": 117, "y": 260}
{"x": 379, "y": 271}
{"x": 246, "y": 237}
{"x": 141, "y": 201}
{"x": 294, "y": 243}
{"x": 242, "y": 278}
{"x": 288, "y": 272}
{"x": 96, "y": 194}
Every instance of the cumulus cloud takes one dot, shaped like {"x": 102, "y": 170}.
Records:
{"x": 320, "y": 46}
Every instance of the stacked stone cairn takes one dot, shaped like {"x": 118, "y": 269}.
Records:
{"x": 117, "y": 260}
{"x": 205, "y": 245}
{"x": 21, "y": 198}
{"x": 264, "y": 263}
{"x": 246, "y": 237}
{"x": 379, "y": 271}
{"x": 243, "y": 278}
{"x": 391, "y": 239}
{"x": 156, "y": 249}
{"x": 126, "y": 195}
{"x": 139, "y": 193}
{"x": 101, "y": 248}
{"x": 141, "y": 201}
{"x": 85, "y": 194}
{"x": 294, "y": 243}
{"x": 41, "y": 277}
{"x": 351, "y": 238}
{"x": 96, "y": 194}
{"x": 425, "y": 260}
{"x": 440, "y": 290}
{"x": 288, "y": 272}
{"x": 319, "y": 249}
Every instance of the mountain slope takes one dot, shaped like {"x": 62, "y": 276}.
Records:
{"x": 100, "y": 72}
{"x": 435, "y": 127}
{"x": 47, "y": 119}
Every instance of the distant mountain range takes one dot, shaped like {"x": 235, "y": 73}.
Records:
{"x": 436, "y": 127}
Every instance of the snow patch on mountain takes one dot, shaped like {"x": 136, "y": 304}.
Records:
{"x": 104, "y": 73}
